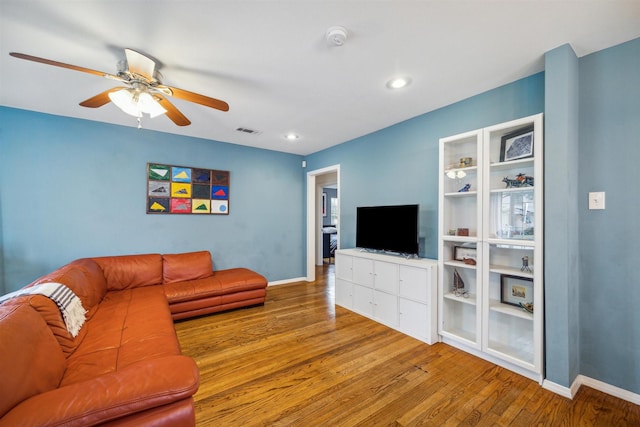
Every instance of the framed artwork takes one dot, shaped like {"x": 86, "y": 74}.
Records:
{"x": 184, "y": 190}
{"x": 517, "y": 145}
{"x": 324, "y": 204}
{"x": 462, "y": 253}
{"x": 516, "y": 290}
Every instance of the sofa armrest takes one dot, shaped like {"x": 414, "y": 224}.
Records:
{"x": 136, "y": 388}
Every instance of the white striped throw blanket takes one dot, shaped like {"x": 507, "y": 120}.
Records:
{"x": 69, "y": 304}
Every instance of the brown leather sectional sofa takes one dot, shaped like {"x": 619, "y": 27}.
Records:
{"x": 124, "y": 367}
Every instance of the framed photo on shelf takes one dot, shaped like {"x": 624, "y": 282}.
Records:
{"x": 515, "y": 290}
{"x": 517, "y": 145}
{"x": 462, "y": 253}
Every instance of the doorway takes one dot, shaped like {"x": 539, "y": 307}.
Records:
{"x": 316, "y": 181}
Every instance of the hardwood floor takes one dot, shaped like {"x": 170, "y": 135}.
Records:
{"x": 300, "y": 361}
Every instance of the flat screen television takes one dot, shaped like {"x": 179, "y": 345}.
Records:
{"x": 388, "y": 228}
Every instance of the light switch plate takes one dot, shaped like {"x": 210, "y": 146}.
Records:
{"x": 596, "y": 200}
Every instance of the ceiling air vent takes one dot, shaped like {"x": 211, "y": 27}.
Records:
{"x": 249, "y": 131}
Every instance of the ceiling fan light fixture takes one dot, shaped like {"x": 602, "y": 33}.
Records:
{"x": 135, "y": 103}
{"x": 123, "y": 99}
{"x": 150, "y": 106}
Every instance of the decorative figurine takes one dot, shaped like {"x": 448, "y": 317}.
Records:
{"x": 465, "y": 188}
{"x": 526, "y": 306}
{"x": 521, "y": 180}
{"x": 458, "y": 285}
{"x": 465, "y": 162}
{"x": 524, "y": 179}
{"x": 525, "y": 264}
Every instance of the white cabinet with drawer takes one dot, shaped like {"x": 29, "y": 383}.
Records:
{"x": 392, "y": 290}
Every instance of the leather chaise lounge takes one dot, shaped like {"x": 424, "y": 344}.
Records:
{"x": 123, "y": 366}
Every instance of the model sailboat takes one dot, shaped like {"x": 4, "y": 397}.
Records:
{"x": 458, "y": 283}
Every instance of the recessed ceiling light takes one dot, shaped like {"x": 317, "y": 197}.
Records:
{"x": 398, "y": 82}
{"x": 291, "y": 136}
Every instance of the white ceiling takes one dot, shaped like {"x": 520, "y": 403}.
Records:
{"x": 270, "y": 61}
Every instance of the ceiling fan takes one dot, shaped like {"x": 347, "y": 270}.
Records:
{"x": 143, "y": 91}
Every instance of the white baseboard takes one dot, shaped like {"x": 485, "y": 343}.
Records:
{"x": 594, "y": 384}
{"x": 559, "y": 389}
{"x": 286, "y": 281}
{"x": 610, "y": 389}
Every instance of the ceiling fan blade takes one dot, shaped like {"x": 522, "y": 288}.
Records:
{"x": 63, "y": 65}
{"x": 140, "y": 64}
{"x": 172, "y": 112}
{"x": 199, "y": 99}
{"x": 100, "y": 99}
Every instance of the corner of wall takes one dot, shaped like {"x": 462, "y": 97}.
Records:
{"x": 561, "y": 207}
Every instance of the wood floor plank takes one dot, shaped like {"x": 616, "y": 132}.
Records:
{"x": 494, "y": 395}
{"x": 515, "y": 409}
{"x": 300, "y": 361}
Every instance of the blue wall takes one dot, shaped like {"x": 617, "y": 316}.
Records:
{"x": 561, "y": 285}
{"x": 610, "y": 239}
{"x": 74, "y": 188}
{"x": 399, "y": 164}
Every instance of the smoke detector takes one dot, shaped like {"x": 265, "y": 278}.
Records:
{"x": 336, "y": 36}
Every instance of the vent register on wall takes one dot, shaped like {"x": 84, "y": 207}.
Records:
{"x": 185, "y": 190}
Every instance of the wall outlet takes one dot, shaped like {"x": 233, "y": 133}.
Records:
{"x": 596, "y": 200}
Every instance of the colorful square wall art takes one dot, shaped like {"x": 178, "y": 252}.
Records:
{"x": 184, "y": 190}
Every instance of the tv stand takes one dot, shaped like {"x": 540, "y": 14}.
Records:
{"x": 395, "y": 291}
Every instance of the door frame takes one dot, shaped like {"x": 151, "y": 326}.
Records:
{"x": 314, "y": 213}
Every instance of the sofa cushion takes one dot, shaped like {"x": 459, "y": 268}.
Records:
{"x": 94, "y": 287}
{"x": 131, "y": 271}
{"x": 130, "y": 326}
{"x": 202, "y": 306}
{"x": 221, "y": 282}
{"x": 110, "y": 399}
{"x": 52, "y": 316}
{"x": 85, "y": 279}
{"x": 28, "y": 346}
{"x": 186, "y": 266}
